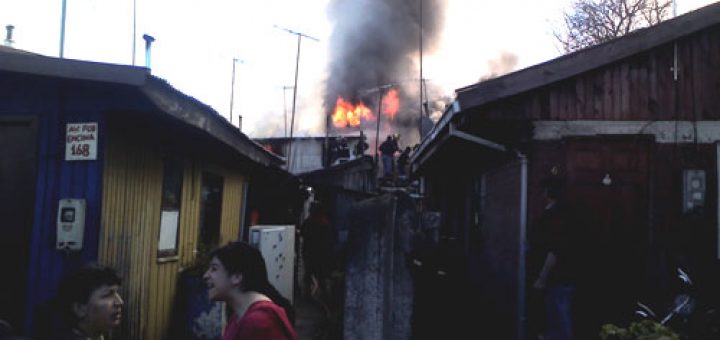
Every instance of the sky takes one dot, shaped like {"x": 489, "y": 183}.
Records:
{"x": 196, "y": 42}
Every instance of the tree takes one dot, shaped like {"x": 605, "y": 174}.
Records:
{"x": 591, "y": 22}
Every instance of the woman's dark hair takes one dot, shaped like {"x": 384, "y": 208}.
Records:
{"x": 244, "y": 259}
{"x": 79, "y": 285}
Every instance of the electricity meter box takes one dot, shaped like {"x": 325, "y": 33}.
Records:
{"x": 693, "y": 189}
{"x": 70, "y": 224}
{"x": 277, "y": 245}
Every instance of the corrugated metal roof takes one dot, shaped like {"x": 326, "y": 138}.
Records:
{"x": 165, "y": 97}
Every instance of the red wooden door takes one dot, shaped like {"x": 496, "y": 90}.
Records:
{"x": 608, "y": 180}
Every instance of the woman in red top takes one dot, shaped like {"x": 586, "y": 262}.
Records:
{"x": 237, "y": 275}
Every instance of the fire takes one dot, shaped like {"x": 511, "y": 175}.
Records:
{"x": 347, "y": 114}
{"x": 391, "y": 104}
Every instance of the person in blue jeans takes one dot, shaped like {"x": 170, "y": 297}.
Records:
{"x": 388, "y": 149}
{"x": 555, "y": 245}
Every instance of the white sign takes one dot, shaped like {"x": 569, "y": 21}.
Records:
{"x": 81, "y": 141}
{"x": 168, "y": 230}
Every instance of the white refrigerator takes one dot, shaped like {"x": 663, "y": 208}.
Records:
{"x": 277, "y": 245}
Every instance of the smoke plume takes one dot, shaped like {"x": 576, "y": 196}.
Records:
{"x": 375, "y": 43}
{"x": 503, "y": 64}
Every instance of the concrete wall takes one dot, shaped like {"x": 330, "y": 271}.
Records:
{"x": 379, "y": 290}
{"x": 500, "y": 261}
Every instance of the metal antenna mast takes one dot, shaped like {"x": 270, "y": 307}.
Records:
{"x": 420, "y": 120}
{"x": 297, "y": 67}
{"x": 232, "y": 86}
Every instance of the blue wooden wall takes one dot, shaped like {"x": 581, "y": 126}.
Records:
{"x": 54, "y": 103}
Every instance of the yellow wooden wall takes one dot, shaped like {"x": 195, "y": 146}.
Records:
{"x": 231, "y": 208}
{"x": 132, "y": 186}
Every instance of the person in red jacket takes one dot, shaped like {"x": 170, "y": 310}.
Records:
{"x": 237, "y": 275}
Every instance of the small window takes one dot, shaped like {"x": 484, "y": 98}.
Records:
{"x": 210, "y": 210}
{"x": 170, "y": 208}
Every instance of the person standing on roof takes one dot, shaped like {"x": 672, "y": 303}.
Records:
{"x": 388, "y": 149}
{"x": 361, "y": 145}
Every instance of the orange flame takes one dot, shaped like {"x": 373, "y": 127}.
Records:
{"x": 346, "y": 114}
{"x": 391, "y": 103}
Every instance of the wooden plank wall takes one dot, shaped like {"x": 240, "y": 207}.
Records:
{"x": 640, "y": 87}
{"x": 131, "y": 227}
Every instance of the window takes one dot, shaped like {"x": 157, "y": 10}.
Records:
{"x": 170, "y": 208}
{"x": 210, "y": 210}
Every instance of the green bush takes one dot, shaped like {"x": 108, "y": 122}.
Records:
{"x": 642, "y": 330}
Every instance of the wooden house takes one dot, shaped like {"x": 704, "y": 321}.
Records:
{"x": 156, "y": 175}
{"x": 632, "y": 128}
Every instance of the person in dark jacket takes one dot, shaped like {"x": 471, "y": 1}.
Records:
{"x": 318, "y": 244}
{"x": 361, "y": 145}
{"x": 343, "y": 149}
{"x": 388, "y": 149}
{"x": 89, "y": 300}
{"x": 403, "y": 161}
{"x": 553, "y": 261}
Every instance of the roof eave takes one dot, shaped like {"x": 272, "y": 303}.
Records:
{"x": 588, "y": 59}
{"x": 163, "y": 95}
{"x": 34, "y": 64}
{"x": 203, "y": 117}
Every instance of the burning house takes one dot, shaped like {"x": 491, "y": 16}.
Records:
{"x": 375, "y": 62}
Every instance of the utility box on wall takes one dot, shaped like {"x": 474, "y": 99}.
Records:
{"x": 70, "y": 224}
{"x": 693, "y": 189}
{"x": 277, "y": 245}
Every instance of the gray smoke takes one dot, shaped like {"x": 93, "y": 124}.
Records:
{"x": 376, "y": 42}
{"x": 505, "y": 63}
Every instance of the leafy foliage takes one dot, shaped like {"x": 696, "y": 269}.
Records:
{"x": 642, "y": 330}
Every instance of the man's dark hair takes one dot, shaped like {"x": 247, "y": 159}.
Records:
{"x": 79, "y": 285}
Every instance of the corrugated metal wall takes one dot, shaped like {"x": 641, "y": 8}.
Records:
{"x": 232, "y": 204}
{"x": 190, "y": 213}
{"x": 55, "y": 103}
{"x": 130, "y": 218}
{"x": 131, "y": 227}
{"x": 163, "y": 275}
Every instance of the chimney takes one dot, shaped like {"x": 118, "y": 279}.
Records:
{"x": 8, "y": 38}
{"x": 148, "y": 42}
